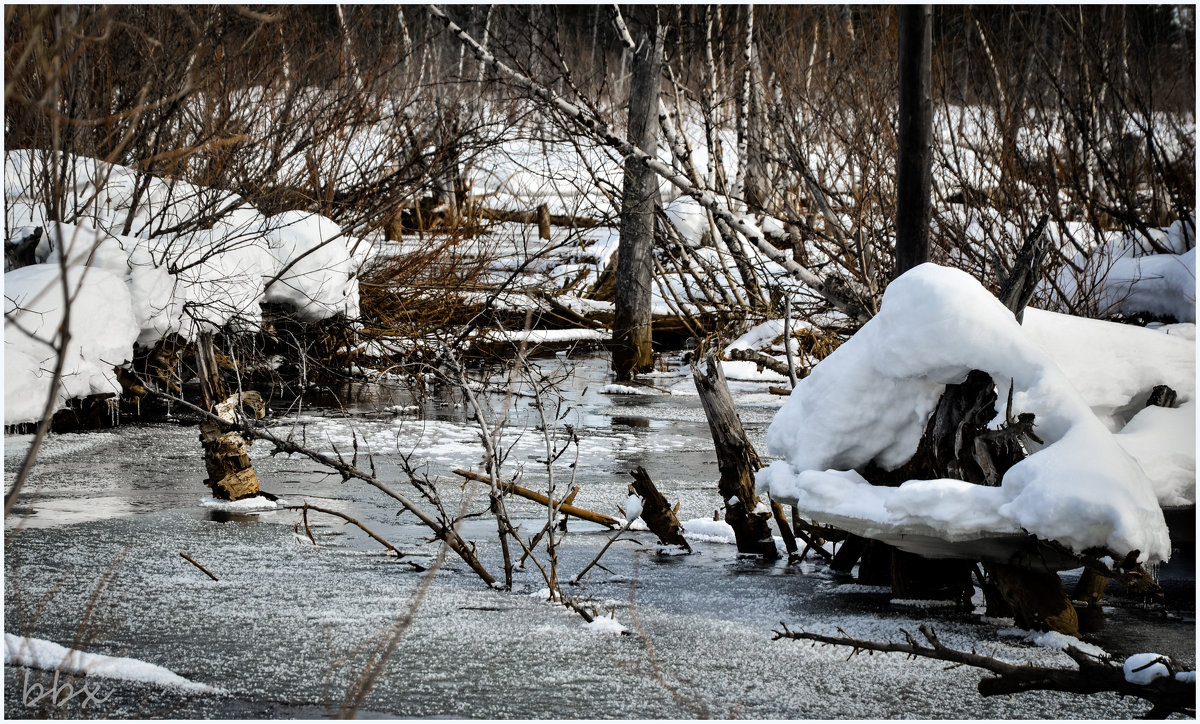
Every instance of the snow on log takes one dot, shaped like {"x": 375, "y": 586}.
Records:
{"x": 870, "y": 399}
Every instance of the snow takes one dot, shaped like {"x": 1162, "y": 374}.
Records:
{"x": 614, "y": 389}
{"x": 870, "y": 398}
{"x": 49, "y": 656}
{"x": 1141, "y": 669}
{"x": 690, "y": 218}
{"x": 252, "y": 504}
{"x": 1163, "y": 442}
{"x": 708, "y": 531}
{"x": 102, "y": 330}
{"x": 606, "y": 625}
{"x": 1114, "y": 366}
{"x": 1123, "y": 275}
{"x": 549, "y": 336}
{"x": 152, "y": 281}
{"x": 633, "y": 507}
{"x": 320, "y": 277}
{"x": 1054, "y": 640}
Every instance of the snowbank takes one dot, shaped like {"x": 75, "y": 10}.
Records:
{"x": 870, "y": 399}
{"x": 1125, "y": 276}
{"x": 319, "y": 280}
{"x": 49, "y": 656}
{"x": 185, "y": 282}
{"x": 102, "y": 332}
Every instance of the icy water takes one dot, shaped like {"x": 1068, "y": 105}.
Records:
{"x": 93, "y": 555}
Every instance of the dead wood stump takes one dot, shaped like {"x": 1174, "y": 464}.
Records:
{"x": 659, "y": 516}
{"x": 231, "y": 474}
{"x": 737, "y": 461}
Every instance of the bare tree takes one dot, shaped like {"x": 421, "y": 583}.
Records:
{"x": 635, "y": 264}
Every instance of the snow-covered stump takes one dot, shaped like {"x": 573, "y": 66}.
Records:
{"x": 737, "y": 461}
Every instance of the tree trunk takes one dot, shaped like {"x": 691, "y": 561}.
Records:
{"x": 738, "y": 461}
{"x": 635, "y": 262}
{"x": 913, "y": 173}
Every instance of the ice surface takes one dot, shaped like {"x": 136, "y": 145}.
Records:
{"x": 296, "y": 615}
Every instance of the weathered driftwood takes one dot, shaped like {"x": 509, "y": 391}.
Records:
{"x": 660, "y": 518}
{"x": 1036, "y": 598}
{"x": 736, "y": 460}
{"x": 1162, "y": 396}
{"x": 785, "y": 530}
{"x": 1026, "y": 271}
{"x": 562, "y": 507}
{"x": 1094, "y": 675}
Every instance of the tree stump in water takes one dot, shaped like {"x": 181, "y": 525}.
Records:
{"x": 738, "y": 461}
{"x": 659, "y": 516}
{"x": 227, "y": 454}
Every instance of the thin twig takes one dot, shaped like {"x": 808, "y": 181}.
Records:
{"x": 193, "y": 561}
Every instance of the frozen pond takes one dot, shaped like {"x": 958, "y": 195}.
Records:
{"x": 92, "y": 555}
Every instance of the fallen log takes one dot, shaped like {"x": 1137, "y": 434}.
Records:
{"x": 538, "y": 216}
{"x": 763, "y": 360}
{"x": 562, "y": 507}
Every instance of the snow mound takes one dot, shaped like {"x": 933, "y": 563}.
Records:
{"x": 314, "y": 265}
{"x": 1141, "y": 669}
{"x": 155, "y": 266}
{"x": 870, "y": 399}
{"x": 49, "y": 656}
{"x": 708, "y": 531}
{"x": 102, "y": 330}
{"x": 1124, "y": 276}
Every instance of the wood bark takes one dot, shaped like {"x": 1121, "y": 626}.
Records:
{"x": 231, "y": 475}
{"x": 913, "y": 165}
{"x": 657, "y": 513}
{"x": 635, "y": 263}
{"x": 737, "y": 461}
